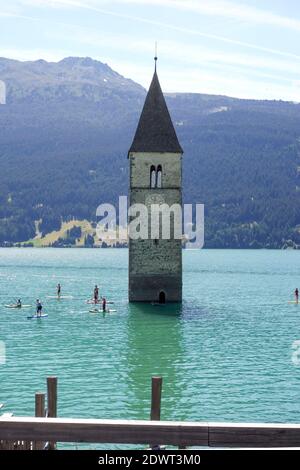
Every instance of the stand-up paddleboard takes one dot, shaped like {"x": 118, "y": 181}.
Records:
{"x": 16, "y": 307}
{"x": 92, "y": 302}
{"x": 293, "y": 302}
{"x": 101, "y": 311}
{"x": 58, "y": 297}
{"x": 44, "y": 315}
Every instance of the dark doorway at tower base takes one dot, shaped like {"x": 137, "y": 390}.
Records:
{"x": 162, "y": 298}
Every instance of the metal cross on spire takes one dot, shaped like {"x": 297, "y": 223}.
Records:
{"x": 155, "y": 58}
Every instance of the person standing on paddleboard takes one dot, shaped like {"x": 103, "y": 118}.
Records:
{"x": 58, "y": 290}
{"x": 96, "y": 294}
{"x": 103, "y": 304}
{"x": 39, "y": 308}
{"x": 297, "y": 295}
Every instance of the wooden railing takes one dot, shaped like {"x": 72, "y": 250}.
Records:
{"x": 45, "y": 430}
{"x": 141, "y": 432}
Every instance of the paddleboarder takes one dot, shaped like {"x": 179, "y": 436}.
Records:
{"x": 39, "y": 308}
{"x": 96, "y": 295}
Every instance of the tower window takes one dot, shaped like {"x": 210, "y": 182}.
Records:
{"x": 152, "y": 177}
{"x": 155, "y": 176}
{"x": 159, "y": 177}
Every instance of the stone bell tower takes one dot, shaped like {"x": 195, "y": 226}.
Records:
{"x": 155, "y": 157}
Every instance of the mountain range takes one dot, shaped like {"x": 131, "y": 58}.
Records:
{"x": 66, "y": 128}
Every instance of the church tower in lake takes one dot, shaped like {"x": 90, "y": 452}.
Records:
{"x": 155, "y": 157}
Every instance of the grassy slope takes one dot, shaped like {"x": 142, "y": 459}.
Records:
{"x": 86, "y": 229}
{"x": 62, "y": 233}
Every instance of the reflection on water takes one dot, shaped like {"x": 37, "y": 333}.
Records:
{"x": 154, "y": 348}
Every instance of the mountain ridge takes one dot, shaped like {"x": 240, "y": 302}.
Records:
{"x": 65, "y": 133}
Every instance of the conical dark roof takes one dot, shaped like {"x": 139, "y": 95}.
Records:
{"x": 155, "y": 131}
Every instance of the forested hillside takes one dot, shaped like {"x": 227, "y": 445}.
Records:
{"x": 66, "y": 129}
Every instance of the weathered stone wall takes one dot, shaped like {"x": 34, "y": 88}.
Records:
{"x": 155, "y": 265}
{"x": 151, "y": 257}
{"x": 148, "y": 288}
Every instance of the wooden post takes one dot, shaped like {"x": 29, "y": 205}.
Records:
{"x": 39, "y": 405}
{"x": 52, "y": 403}
{"x": 52, "y": 397}
{"x": 156, "y": 398}
{"x": 155, "y": 404}
{"x": 39, "y": 413}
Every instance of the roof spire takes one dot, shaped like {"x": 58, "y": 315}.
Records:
{"x": 155, "y": 58}
{"x": 155, "y": 131}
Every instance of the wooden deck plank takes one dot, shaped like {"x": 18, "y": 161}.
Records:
{"x": 254, "y": 435}
{"x": 106, "y": 431}
{"x": 241, "y": 435}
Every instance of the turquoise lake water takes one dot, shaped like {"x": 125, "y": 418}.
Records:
{"x": 227, "y": 354}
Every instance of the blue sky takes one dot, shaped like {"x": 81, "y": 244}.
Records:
{"x": 241, "y": 48}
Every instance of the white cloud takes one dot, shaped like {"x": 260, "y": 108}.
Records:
{"x": 8, "y": 14}
{"x": 92, "y": 5}
{"x": 221, "y": 8}
{"x": 55, "y": 3}
{"x": 179, "y": 53}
